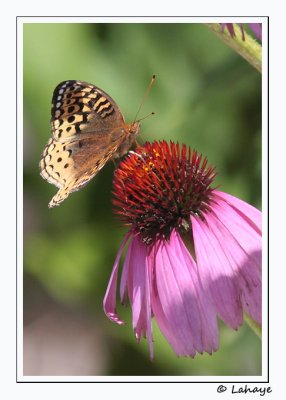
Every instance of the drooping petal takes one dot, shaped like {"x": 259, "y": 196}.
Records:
{"x": 244, "y": 232}
{"x": 168, "y": 307}
{"x": 175, "y": 300}
{"x": 165, "y": 328}
{"x": 228, "y": 250}
{"x": 140, "y": 329}
{"x": 207, "y": 311}
{"x": 148, "y": 274}
{"x": 250, "y": 212}
{"x": 217, "y": 273}
{"x": 244, "y": 246}
{"x": 109, "y": 301}
{"x": 139, "y": 292}
{"x": 125, "y": 272}
{"x": 204, "y": 301}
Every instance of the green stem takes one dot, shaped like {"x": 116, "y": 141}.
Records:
{"x": 248, "y": 48}
{"x": 253, "y": 325}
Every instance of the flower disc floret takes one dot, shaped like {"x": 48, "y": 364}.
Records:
{"x": 158, "y": 187}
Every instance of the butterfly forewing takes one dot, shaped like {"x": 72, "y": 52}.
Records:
{"x": 87, "y": 130}
{"x": 79, "y": 107}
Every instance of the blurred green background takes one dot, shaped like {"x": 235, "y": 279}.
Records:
{"x": 206, "y": 96}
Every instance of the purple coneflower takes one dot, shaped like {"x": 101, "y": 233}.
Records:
{"x": 256, "y": 29}
{"x": 193, "y": 252}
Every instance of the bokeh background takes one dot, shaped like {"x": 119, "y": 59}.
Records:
{"x": 206, "y": 96}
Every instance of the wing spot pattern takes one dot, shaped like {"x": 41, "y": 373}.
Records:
{"x": 77, "y": 107}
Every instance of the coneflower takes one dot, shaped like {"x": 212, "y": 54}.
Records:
{"x": 194, "y": 252}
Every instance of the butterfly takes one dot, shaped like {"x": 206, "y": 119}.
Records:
{"x": 88, "y": 129}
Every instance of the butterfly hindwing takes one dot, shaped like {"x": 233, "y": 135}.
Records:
{"x": 73, "y": 179}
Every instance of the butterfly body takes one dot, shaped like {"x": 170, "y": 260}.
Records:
{"x": 88, "y": 129}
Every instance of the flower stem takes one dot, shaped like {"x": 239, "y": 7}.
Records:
{"x": 253, "y": 325}
{"x": 247, "y": 48}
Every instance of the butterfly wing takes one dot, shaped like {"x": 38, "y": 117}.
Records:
{"x": 79, "y": 107}
{"x": 87, "y": 130}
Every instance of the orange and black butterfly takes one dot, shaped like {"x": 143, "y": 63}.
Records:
{"x": 88, "y": 129}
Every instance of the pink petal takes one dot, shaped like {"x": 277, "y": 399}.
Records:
{"x": 173, "y": 303}
{"x": 125, "y": 272}
{"x": 169, "y": 333}
{"x": 217, "y": 273}
{"x": 148, "y": 272}
{"x": 140, "y": 328}
{"x": 175, "y": 300}
{"x": 245, "y": 247}
{"x": 137, "y": 297}
{"x": 257, "y": 29}
{"x": 244, "y": 233}
{"x": 207, "y": 312}
{"x": 139, "y": 292}
{"x": 109, "y": 301}
{"x": 232, "y": 267}
{"x": 252, "y": 213}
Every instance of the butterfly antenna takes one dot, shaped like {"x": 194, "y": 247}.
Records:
{"x": 141, "y": 119}
{"x": 146, "y": 116}
{"x": 145, "y": 96}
